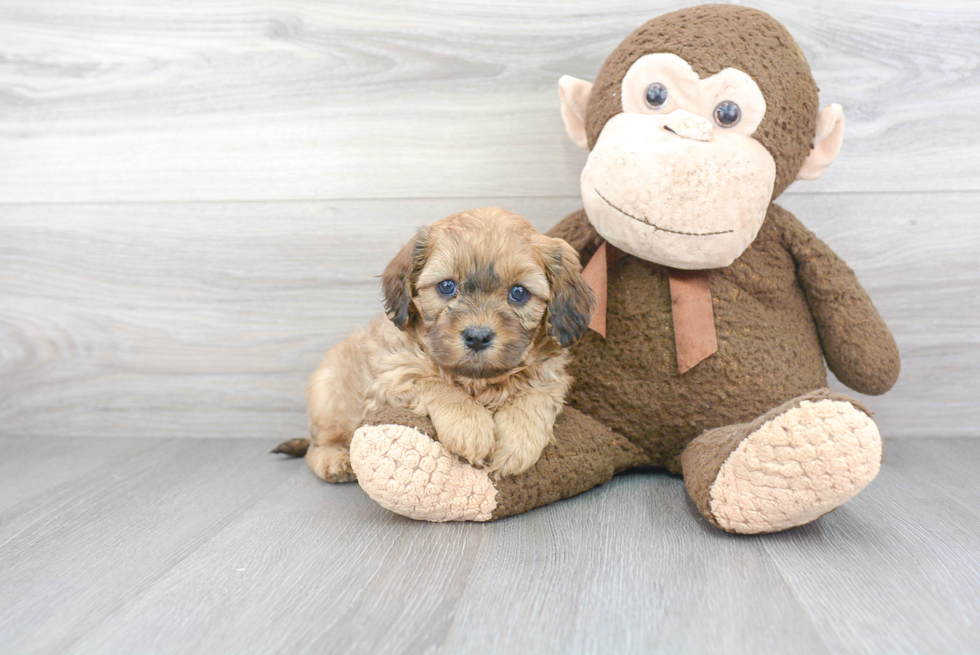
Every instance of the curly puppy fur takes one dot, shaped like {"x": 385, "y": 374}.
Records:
{"x": 493, "y": 400}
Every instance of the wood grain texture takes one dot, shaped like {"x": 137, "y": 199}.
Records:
{"x": 277, "y": 561}
{"x": 29, "y": 467}
{"x": 76, "y": 552}
{"x": 194, "y": 201}
{"x": 259, "y": 100}
{"x": 919, "y": 522}
{"x": 207, "y": 319}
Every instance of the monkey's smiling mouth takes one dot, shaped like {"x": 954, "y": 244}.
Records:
{"x": 657, "y": 227}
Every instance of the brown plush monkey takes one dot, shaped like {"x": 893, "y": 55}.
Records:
{"x": 718, "y": 307}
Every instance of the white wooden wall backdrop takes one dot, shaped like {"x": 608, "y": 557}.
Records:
{"x": 194, "y": 196}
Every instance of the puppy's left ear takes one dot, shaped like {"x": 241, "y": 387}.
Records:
{"x": 572, "y": 300}
{"x": 398, "y": 280}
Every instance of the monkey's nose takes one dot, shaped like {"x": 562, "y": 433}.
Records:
{"x": 477, "y": 338}
{"x": 688, "y": 126}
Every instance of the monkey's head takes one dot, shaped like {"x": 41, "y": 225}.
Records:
{"x": 696, "y": 122}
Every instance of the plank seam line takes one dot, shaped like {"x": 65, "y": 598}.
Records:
{"x": 144, "y": 586}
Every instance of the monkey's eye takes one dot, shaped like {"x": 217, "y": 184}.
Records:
{"x": 447, "y": 288}
{"x": 518, "y": 294}
{"x": 727, "y": 113}
{"x": 656, "y": 95}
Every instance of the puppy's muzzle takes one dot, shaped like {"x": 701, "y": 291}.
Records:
{"x": 478, "y": 338}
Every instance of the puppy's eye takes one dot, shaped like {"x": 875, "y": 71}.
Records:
{"x": 518, "y": 294}
{"x": 447, "y": 288}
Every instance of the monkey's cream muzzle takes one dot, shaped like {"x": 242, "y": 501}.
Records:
{"x": 676, "y": 190}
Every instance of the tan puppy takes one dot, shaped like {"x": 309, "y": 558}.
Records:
{"x": 479, "y": 309}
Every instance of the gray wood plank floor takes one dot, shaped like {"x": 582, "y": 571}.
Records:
{"x": 214, "y": 546}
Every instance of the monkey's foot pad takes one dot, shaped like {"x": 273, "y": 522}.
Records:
{"x": 407, "y": 472}
{"x": 796, "y": 467}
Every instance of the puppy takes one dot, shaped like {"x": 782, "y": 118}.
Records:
{"x": 480, "y": 307}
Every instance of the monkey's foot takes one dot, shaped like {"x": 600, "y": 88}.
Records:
{"x": 407, "y": 472}
{"x": 787, "y": 468}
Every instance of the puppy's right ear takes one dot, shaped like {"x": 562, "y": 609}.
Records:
{"x": 398, "y": 280}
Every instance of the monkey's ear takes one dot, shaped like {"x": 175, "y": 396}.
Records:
{"x": 572, "y": 300}
{"x": 575, "y": 94}
{"x": 826, "y": 143}
{"x": 398, "y": 280}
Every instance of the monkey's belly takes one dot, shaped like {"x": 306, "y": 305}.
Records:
{"x": 768, "y": 353}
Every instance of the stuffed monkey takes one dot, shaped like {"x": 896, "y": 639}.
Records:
{"x": 718, "y": 308}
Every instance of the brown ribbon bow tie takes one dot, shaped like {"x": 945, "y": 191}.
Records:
{"x": 690, "y": 302}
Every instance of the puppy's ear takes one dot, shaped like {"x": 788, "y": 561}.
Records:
{"x": 572, "y": 300}
{"x": 398, "y": 280}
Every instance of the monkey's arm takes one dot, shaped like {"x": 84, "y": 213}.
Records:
{"x": 858, "y": 347}
{"x": 579, "y": 233}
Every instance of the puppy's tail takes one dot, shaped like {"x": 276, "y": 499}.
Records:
{"x": 293, "y": 447}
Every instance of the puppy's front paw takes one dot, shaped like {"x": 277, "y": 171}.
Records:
{"x": 331, "y": 463}
{"x": 520, "y": 441}
{"x": 466, "y": 431}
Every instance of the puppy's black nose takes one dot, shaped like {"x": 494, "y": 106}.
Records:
{"x": 477, "y": 338}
